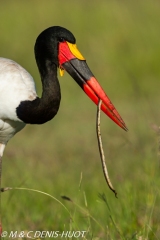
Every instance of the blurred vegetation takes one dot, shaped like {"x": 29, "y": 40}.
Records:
{"x": 120, "y": 40}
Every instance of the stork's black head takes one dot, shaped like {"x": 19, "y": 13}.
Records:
{"x": 46, "y": 46}
{"x": 55, "y": 47}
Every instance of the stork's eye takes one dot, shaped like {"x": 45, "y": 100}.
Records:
{"x": 61, "y": 39}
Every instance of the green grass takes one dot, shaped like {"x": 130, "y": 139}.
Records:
{"x": 120, "y": 40}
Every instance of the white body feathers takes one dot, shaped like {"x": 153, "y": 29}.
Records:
{"x": 16, "y": 85}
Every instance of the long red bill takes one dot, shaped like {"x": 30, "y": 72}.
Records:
{"x": 73, "y": 62}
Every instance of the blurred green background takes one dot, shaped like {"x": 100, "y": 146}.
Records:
{"x": 120, "y": 40}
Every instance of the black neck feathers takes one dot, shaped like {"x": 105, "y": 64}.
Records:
{"x": 41, "y": 110}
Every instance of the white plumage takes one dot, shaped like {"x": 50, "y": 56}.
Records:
{"x": 16, "y": 85}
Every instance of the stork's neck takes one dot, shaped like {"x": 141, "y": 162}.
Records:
{"x": 43, "y": 109}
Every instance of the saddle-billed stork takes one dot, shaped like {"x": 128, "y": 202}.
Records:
{"x": 55, "y": 48}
